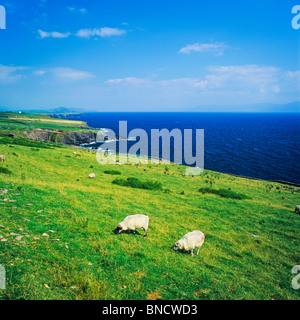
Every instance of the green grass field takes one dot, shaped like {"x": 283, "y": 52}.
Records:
{"x": 83, "y": 259}
{"x": 16, "y": 123}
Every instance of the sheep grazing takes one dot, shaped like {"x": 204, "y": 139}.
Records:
{"x": 92, "y": 175}
{"x": 133, "y": 222}
{"x": 190, "y": 241}
{"x": 2, "y": 158}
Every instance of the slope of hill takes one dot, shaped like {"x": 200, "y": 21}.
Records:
{"x": 57, "y": 241}
{"x": 44, "y": 128}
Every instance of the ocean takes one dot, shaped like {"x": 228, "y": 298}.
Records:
{"x": 257, "y": 145}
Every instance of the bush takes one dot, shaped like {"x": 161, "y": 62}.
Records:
{"x": 136, "y": 183}
{"x": 225, "y": 193}
{"x": 114, "y": 172}
{"x": 5, "y": 170}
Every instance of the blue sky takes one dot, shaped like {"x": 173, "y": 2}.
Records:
{"x": 148, "y": 55}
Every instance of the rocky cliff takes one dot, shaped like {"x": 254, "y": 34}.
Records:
{"x": 65, "y": 137}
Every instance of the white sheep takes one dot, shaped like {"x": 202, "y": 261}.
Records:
{"x": 92, "y": 175}
{"x": 133, "y": 222}
{"x": 190, "y": 241}
{"x": 2, "y": 158}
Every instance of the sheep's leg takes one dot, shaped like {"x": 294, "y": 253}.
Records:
{"x": 192, "y": 252}
{"x": 145, "y": 233}
{"x": 198, "y": 251}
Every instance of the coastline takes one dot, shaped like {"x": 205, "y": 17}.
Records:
{"x": 65, "y": 219}
{"x": 84, "y": 140}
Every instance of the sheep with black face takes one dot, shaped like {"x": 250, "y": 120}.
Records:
{"x": 133, "y": 222}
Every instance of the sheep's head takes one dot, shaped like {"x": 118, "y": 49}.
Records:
{"x": 118, "y": 229}
{"x": 178, "y": 245}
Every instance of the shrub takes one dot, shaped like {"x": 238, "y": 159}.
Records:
{"x": 5, "y": 170}
{"x": 114, "y": 172}
{"x": 225, "y": 193}
{"x": 121, "y": 182}
{"x": 136, "y": 183}
{"x": 152, "y": 185}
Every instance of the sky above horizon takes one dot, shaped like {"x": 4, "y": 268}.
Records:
{"x": 148, "y": 55}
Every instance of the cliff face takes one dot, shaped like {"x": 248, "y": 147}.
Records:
{"x": 66, "y": 137}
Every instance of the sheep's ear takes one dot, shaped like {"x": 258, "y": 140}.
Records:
{"x": 120, "y": 227}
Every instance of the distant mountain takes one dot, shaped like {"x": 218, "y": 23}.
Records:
{"x": 61, "y": 110}
{"x": 55, "y": 110}
{"x": 259, "y": 107}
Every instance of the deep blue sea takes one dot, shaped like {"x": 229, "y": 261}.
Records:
{"x": 261, "y": 145}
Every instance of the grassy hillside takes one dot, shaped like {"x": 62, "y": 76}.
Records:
{"x": 15, "y": 122}
{"x": 49, "y": 192}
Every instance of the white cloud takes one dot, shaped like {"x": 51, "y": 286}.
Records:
{"x": 83, "y": 33}
{"x": 183, "y": 82}
{"x": 221, "y": 84}
{"x": 75, "y": 10}
{"x": 10, "y": 74}
{"x": 53, "y": 34}
{"x": 71, "y": 74}
{"x": 244, "y": 77}
{"x": 40, "y": 72}
{"x": 214, "y": 48}
{"x": 294, "y": 75}
{"x": 129, "y": 80}
{"x": 102, "y": 32}
{"x": 64, "y": 73}
{"x": 179, "y": 82}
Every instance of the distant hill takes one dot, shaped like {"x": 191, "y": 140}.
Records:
{"x": 55, "y": 110}
{"x": 259, "y": 107}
